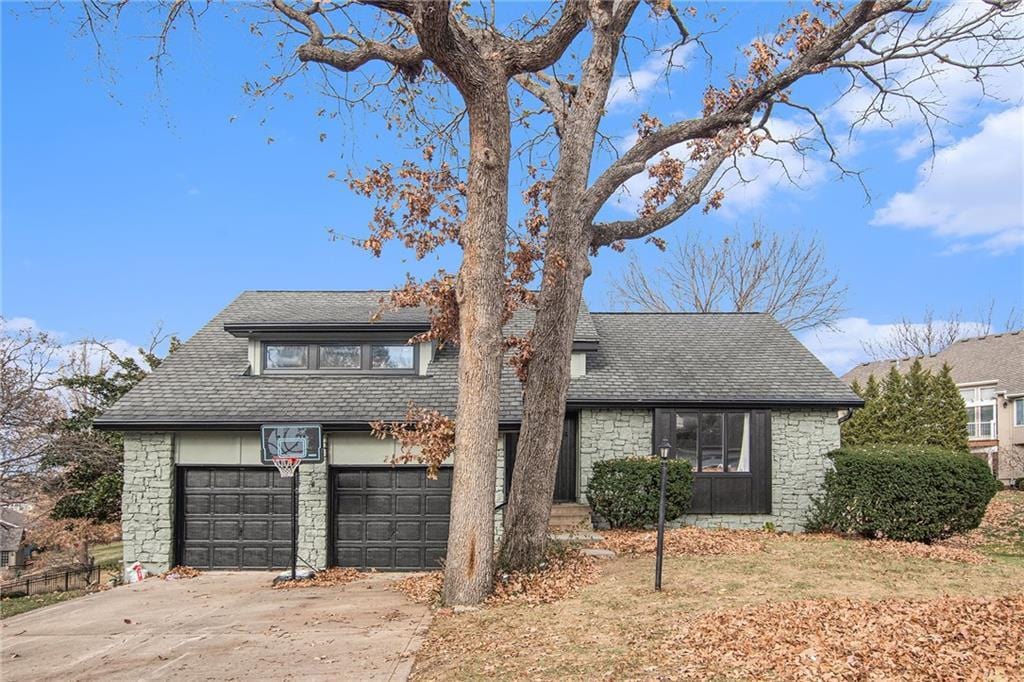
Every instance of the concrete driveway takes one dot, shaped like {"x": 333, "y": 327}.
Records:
{"x": 219, "y": 626}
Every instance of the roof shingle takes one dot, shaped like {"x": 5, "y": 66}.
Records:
{"x": 995, "y": 357}
{"x": 640, "y": 357}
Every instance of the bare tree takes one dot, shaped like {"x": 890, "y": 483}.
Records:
{"x": 31, "y": 364}
{"x": 930, "y": 335}
{"x": 783, "y": 275}
{"x": 539, "y": 72}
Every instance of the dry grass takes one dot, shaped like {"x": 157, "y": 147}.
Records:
{"x": 684, "y": 541}
{"x": 619, "y": 627}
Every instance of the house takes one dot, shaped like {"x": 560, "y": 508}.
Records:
{"x": 989, "y": 371}
{"x": 13, "y": 550}
{"x": 736, "y": 394}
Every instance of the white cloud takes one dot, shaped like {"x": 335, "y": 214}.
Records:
{"x": 633, "y": 87}
{"x": 77, "y": 352}
{"x": 973, "y": 194}
{"x": 842, "y": 348}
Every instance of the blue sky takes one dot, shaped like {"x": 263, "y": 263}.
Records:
{"x": 125, "y": 204}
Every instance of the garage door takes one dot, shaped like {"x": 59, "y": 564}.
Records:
{"x": 390, "y": 518}
{"x": 234, "y": 518}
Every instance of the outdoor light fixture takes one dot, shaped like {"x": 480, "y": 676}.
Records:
{"x": 663, "y": 450}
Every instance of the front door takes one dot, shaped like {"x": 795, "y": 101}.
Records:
{"x": 565, "y": 476}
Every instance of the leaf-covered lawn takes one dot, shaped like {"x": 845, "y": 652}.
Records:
{"x": 787, "y": 609}
{"x": 1002, "y": 531}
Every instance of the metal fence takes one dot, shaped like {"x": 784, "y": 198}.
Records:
{"x": 60, "y": 580}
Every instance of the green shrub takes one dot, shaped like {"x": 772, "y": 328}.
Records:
{"x": 625, "y": 491}
{"x": 903, "y": 492}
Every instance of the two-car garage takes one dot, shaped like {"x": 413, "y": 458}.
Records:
{"x": 379, "y": 517}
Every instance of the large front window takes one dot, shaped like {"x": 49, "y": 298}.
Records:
{"x": 338, "y": 357}
{"x": 981, "y": 412}
{"x": 714, "y": 442}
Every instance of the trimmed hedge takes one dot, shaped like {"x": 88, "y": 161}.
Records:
{"x": 625, "y": 491}
{"x": 903, "y": 492}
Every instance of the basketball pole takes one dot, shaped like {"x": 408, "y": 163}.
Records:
{"x": 295, "y": 520}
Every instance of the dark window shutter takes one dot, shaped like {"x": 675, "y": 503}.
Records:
{"x": 664, "y": 423}
{"x": 761, "y": 461}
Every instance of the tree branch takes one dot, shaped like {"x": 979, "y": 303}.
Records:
{"x": 543, "y": 51}
{"x": 740, "y": 112}
{"x": 688, "y": 196}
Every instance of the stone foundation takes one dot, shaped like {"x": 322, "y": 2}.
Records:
{"x": 147, "y": 500}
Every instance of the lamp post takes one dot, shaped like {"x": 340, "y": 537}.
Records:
{"x": 663, "y": 451}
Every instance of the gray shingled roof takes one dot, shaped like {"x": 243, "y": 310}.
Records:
{"x": 998, "y": 357}
{"x": 728, "y": 358}
{"x": 704, "y": 357}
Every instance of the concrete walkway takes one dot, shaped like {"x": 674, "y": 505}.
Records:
{"x": 219, "y": 626}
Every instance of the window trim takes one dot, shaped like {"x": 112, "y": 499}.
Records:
{"x": 1018, "y": 402}
{"x": 313, "y": 357}
{"x": 973, "y": 406}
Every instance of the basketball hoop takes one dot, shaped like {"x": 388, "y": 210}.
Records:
{"x": 286, "y": 465}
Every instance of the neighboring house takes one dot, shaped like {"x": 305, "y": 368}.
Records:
{"x": 13, "y": 550}
{"x": 989, "y": 371}
{"x": 736, "y": 394}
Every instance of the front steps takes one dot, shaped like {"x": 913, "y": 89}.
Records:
{"x": 570, "y": 517}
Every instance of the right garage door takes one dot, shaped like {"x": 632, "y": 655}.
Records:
{"x": 390, "y": 518}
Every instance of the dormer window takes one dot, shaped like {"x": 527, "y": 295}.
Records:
{"x": 341, "y": 356}
{"x": 284, "y": 357}
{"x": 287, "y": 356}
{"x": 391, "y": 357}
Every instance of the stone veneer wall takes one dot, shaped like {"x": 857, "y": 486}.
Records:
{"x": 499, "y": 490}
{"x": 313, "y": 494}
{"x": 608, "y": 434}
{"x": 147, "y": 500}
{"x": 800, "y": 440}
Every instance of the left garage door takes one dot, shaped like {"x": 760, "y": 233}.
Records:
{"x": 234, "y": 518}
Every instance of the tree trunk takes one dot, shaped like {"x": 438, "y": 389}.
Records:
{"x": 468, "y": 572}
{"x": 524, "y": 541}
{"x": 566, "y": 267}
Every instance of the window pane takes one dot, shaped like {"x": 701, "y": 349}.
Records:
{"x": 337, "y": 356}
{"x": 987, "y": 412}
{"x": 987, "y": 394}
{"x": 737, "y": 441}
{"x": 686, "y": 438}
{"x": 1018, "y": 406}
{"x": 967, "y": 394}
{"x": 972, "y": 415}
{"x": 287, "y": 356}
{"x": 711, "y": 442}
{"x": 391, "y": 357}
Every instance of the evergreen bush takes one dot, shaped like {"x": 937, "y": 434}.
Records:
{"x": 625, "y": 492}
{"x": 919, "y": 408}
{"x": 903, "y": 492}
